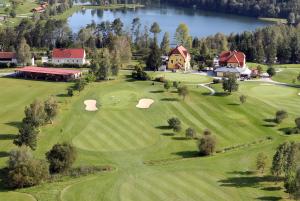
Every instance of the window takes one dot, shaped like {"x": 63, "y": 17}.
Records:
{"x": 171, "y": 61}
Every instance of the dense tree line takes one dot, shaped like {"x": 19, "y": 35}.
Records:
{"x": 278, "y": 43}
{"x": 263, "y": 8}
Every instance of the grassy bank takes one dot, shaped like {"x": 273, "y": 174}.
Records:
{"x": 274, "y": 20}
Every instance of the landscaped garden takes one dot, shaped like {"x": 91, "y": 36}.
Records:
{"x": 149, "y": 160}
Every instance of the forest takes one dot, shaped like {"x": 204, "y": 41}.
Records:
{"x": 262, "y": 8}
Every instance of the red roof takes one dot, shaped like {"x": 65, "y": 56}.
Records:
{"x": 44, "y": 70}
{"x": 68, "y": 53}
{"x": 232, "y": 57}
{"x": 180, "y": 50}
{"x": 7, "y": 55}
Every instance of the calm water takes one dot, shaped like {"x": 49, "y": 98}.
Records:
{"x": 201, "y": 23}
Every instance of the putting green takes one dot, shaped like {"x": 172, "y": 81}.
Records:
{"x": 118, "y": 99}
{"x": 271, "y": 91}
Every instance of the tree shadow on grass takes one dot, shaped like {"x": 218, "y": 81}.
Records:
{"x": 269, "y": 125}
{"x": 170, "y": 99}
{"x": 242, "y": 172}
{"x": 246, "y": 181}
{"x": 187, "y": 154}
{"x": 168, "y": 134}
{"x": 269, "y": 198}
{"x": 272, "y": 188}
{"x": 3, "y": 154}
{"x": 62, "y": 95}
{"x": 179, "y": 138}
{"x": 16, "y": 124}
{"x": 163, "y": 127}
{"x": 221, "y": 94}
{"x": 270, "y": 120}
{"x": 157, "y": 92}
{"x": 233, "y": 104}
{"x": 7, "y": 136}
{"x": 206, "y": 93}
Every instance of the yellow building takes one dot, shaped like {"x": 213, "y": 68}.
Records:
{"x": 179, "y": 59}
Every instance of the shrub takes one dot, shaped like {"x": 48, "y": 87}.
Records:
{"x": 160, "y": 79}
{"x": 190, "y": 133}
{"x": 280, "y": 116}
{"x": 139, "y": 74}
{"x": 175, "y": 124}
{"x": 217, "y": 81}
{"x": 70, "y": 92}
{"x": 271, "y": 71}
{"x": 207, "y": 145}
{"x": 167, "y": 85}
{"x": 61, "y": 157}
{"x": 24, "y": 170}
{"x": 175, "y": 84}
{"x": 243, "y": 99}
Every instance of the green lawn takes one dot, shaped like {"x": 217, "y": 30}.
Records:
{"x": 182, "y": 77}
{"x": 287, "y": 75}
{"x": 121, "y": 135}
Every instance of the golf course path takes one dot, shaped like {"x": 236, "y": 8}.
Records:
{"x": 206, "y": 85}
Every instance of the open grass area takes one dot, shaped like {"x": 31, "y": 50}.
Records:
{"x": 182, "y": 77}
{"x": 287, "y": 75}
{"x": 125, "y": 137}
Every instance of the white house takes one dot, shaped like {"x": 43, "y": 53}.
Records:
{"x": 69, "y": 56}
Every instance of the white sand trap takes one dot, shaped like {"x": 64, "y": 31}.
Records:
{"x": 90, "y": 105}
{"x": 145, "y": 103}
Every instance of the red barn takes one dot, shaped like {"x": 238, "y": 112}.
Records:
{"x": 232, "y": 59}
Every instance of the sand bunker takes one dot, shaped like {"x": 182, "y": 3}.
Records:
{"x": 90, "y": 105}
{"x": 298, "y": 94}
{"x": 145, "y": 103}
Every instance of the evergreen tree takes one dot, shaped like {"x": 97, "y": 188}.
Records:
{"x": 27, "y": 136}
{"x": 165, "y": 44}
{"x": 155, "y": 29}
{"x": 154, "y": 58}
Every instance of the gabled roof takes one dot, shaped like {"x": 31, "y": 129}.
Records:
{"x": 7, "y": 55}
{"x": 232, "y": 57}
{"x": 51, "y": 71}
{"x": 180, "y": 50}
{"x": 75, "y": 53}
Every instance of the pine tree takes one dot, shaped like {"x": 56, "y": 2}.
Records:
{"x": 154, "y": 58}
{"x": 165, "y": 44}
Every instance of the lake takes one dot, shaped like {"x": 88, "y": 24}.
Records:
{"x": 201, "y": 23}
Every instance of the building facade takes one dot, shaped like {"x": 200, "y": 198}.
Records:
{"x": 8, "y": 57}
{"x": 69, "y": 56}
{"x": 179, "y": 59}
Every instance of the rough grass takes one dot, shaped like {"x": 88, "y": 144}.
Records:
{"x": 123, "y": 136}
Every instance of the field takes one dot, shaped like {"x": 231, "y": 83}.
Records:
{"x": 151, "y": 162}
